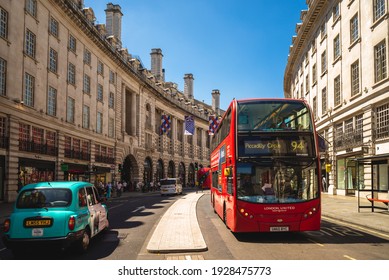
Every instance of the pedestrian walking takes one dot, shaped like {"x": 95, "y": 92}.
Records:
{"x": 199, "y": 187}
{"x": 324, "y": 183}
{"x": 101, "y": 188}
{"x": 119, "y": 188}
{"x": 109, "y": 190}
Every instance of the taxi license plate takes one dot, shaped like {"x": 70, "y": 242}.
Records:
{"x": 37, "y": 223}
{"x": 279, "y": 228}
{"x": 37, "y": 232}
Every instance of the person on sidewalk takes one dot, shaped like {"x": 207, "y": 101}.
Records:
{"x": 109, "y": 189}
{"x": 324, "y": 183}
{"x": 199, "y": 187}
{"x": 119, "y": 188}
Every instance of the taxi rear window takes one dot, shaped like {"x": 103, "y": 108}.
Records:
{"x": 39, "y": 198}
{"x": 168, "y": 182}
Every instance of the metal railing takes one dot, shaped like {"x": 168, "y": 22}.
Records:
{"x": 40, "y": 148}
{"x": 69, "y": 153}
{"x": 348, "y": 141}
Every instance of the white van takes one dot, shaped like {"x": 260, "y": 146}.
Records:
{"x": 171, "y": 186}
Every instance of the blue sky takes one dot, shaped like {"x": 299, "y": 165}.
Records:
{"x": 239, "y": 47}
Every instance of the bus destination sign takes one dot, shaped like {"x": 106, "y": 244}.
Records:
{"x": 281, "y": 147}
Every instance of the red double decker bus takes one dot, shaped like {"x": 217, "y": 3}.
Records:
{"x": 265, "y": 167}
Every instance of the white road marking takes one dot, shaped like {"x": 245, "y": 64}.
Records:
{"x": 363, "y": 229}
{"x": 141, "y": 208}
{"x": 317, "y": 243}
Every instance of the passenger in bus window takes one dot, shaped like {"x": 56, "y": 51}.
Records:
{"x": 287, "y": 190}
{"x": 246, "y": 185}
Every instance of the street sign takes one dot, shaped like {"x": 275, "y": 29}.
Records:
{"x": 64, "y": 167}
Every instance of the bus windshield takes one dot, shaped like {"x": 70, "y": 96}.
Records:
{"x": 280, "y": 182}
{"x": 273, "y": 116}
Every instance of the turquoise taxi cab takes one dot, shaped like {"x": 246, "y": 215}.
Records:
{"x": 61, "y": 214}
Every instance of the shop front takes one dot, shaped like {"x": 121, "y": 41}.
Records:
{"x": 33, "y": 171}
{"x": 347, "y": 175}
{"x": 102, "y": 174}
{"x": 76, "y": 172}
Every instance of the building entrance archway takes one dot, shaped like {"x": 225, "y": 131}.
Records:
{"x": 148, "y": 171}
{"x": 182, "y": 173}
{"x": 130, "y": 171}
{"x": 171, "y": 171}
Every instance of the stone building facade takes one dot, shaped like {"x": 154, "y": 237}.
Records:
{"x": 338, "y": 62}
{"x": 76, "y": 105}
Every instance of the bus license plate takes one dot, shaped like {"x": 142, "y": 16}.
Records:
{"x": 279, "y": 228}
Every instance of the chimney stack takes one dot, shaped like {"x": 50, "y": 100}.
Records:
{"x": 188, "y": 86}
{"x": 216, "y": 101}
{"x": 156, "y": 64}
{"x": 114, "y": 22}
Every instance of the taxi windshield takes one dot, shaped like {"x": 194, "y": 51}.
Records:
{"x": 44, "y": 197}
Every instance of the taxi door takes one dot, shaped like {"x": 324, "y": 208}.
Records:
{"x": 101, "y": 211}
{"x": 94, "y": 211}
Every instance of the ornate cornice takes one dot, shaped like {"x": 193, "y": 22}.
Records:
{"x": 311, "y": 18}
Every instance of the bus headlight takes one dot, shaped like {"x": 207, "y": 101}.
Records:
{"x": 245, "y": 213}
{"x": 310, "y": 212}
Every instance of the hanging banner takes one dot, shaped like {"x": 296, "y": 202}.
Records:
{"x": 213, "y": 124}
{"x": 165, "y": 124}
{"x": 189, "y": 125}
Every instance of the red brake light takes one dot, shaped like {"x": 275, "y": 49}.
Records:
{"x": 7, "y": 225}
{"x": 72, "y": 223}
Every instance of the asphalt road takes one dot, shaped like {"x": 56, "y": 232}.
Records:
{"x": 132, "y": 220}
{"x": 335, "y": 241}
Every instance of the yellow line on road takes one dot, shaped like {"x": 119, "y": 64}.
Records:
{"x": 348, "y": 257}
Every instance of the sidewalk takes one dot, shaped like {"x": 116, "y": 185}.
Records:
{"x": 178, "y": 229}
{"x": 345, "y": 209}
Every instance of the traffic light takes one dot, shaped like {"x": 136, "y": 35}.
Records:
{"x": 196, "y": 166}
{"x": 120, "y": 167}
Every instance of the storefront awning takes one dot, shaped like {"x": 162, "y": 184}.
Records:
{"x": 378, "y": 159}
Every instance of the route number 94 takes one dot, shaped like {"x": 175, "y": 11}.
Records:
{"x": 297, "y": 145}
